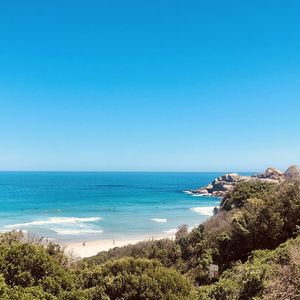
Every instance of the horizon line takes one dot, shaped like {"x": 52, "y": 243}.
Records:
{"x": 122, "y": 171}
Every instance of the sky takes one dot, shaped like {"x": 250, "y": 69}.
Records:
{"x": 149, "y": 85}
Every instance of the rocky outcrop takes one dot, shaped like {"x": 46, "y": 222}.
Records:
{"x": 223, "y": 184}
{"x": 220, "y": 186}
{"x": 271, "y": 174}
{"x": 292, "y": 173}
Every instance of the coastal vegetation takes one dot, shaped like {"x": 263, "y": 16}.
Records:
{"x": 30, "y": 270}
{"x": 253, "y": 237}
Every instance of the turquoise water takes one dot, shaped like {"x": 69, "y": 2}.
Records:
{"x": 71, "y": 206}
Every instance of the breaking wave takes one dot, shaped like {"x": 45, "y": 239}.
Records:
{"x": 204, "y": 211}
{"x": 55, "y": 220}
{"x": 60, "y": 231}
{"x": 159, "y": 220}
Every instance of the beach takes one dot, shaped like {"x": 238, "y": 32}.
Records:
{"x": 98, "y": 207}
{"x": 91, "y": 248}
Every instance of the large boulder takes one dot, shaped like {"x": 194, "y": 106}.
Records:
{"x": 272, "y": 174}
{"x": 272, "y": 171}
{"x": 231, "y": 177}
{"x": 292, "y": 173}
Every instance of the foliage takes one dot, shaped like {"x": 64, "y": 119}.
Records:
{"x": 268, "y": 274}
{"x": 261, "y": 224}
{"x": 254, "y": 219}
{"x": 164, "y": 250}
{"x": 244, "y": 191}
{"x": 30, "y": 270}
{"x": 139, "y": 279}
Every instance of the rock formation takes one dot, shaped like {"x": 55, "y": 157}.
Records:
{"x": 223, "y": 184}
{"x": 291, "y": 173}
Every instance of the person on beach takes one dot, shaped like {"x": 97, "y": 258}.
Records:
{"x": 83, "y": 243}
{"x": 113, "y": 242}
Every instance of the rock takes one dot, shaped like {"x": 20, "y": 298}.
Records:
{"x": 243, "y": 178}
{"x": 203, "y": 191}
{"x": 218, "y": 194}
{"x": 210, "y": 187}
{"x": 218, "y": 186}
{"x": 215, "y": 181}
{"x": 223, "y": 184}
{"x": 273, "y": 173}
{"x": 270, "y": 173}
{"x": 291, "y": 173}
{"x": 233, "y": 177}
{"x": 227, "y": 187}
{"x": 230, "y": 177}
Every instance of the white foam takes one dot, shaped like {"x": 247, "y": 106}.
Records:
{"x": 171, "y": 231}
{"x": 55, "y": 220}
{"x": 188, "y": 192}
{"x": 159, "y": 220}
{"x": 75, "y": 231}
{"x": 204, "y": 210}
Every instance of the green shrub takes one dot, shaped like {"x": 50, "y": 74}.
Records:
{"x": 139, "y": 279}
{"x": 267, "y": 274}
{"x": 243, "y": 191}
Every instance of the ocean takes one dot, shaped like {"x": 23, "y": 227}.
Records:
{"x": 76, "y": 206}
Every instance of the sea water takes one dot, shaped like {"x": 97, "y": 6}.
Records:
{"x": 76, "y": 206}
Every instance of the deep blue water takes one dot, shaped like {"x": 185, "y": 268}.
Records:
{"x": 69, "y": 206}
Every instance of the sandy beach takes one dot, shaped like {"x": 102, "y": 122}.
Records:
{"x": 91, "y": 248}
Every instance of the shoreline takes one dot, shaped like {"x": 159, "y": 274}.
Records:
{"x": 92, "y": 247}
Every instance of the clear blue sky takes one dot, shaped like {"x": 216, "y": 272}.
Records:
{"x": 149, "y": 85}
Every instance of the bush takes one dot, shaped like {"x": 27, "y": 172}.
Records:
{"x": 139, "y": 279}
{"x": 164, "y": 250}
{"x": 243, "y": 191}
{"x": 268, "y": 274}
{"x": 261, "y": 224}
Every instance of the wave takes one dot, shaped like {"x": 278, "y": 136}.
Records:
{"x": 188, "y": 192}
{"x": 171, "y": 231}
{"x": 55, "y": 220}
{"x": 159, "y": 220}
{"x": 75, "y": 231}
{"x": 204, "y": 210}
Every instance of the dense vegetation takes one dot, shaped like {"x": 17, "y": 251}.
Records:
{"x": 253, "y": 237}
{"x": 30, "y": 270}
{"x": 267, "y": 275}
